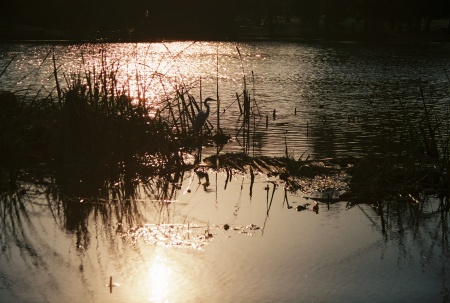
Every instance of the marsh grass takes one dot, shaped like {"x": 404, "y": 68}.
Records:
{"x": 95, "y": 131}
{"x": 103, "y": 131}
{"x": 421, "y": 167}
{"x": 249, "y": 112}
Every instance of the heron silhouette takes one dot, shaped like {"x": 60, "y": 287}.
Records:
{"x": 201, "y": 117}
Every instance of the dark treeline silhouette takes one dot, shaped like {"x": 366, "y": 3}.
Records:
{"x": 217, "y": 18}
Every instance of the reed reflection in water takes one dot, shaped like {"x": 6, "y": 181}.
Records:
{"x": 269, "y": 252}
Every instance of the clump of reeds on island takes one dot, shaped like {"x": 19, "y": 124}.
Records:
{"x": 91, "y": 130}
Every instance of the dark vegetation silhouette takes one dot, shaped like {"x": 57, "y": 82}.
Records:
{"x": 214, "y": 19}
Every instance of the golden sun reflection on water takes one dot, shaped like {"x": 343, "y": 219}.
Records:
{"x": 160, "y": 280}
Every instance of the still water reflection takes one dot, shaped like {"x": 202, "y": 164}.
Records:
{"x": 329, "y": 98}
{"x": 269, "y": 253}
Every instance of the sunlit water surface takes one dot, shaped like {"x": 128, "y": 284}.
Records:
{"x": 180, "y": 252}
{"x": 330, "y": 98}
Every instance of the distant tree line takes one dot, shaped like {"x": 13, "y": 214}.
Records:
{"x": 220, "y": 16}
{"x": 415, "y": 14}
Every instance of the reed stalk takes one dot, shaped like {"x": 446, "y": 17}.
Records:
{"x": 55, "y": 73}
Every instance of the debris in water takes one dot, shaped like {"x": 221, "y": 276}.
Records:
{"x": 111, "y": 284}
{"x": 301, "y": 207}
{"x": 316, "y": 207}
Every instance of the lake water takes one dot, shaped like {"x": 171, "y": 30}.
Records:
{"x": 330, "y": 98}
{"x": 270, "y": 253}
{"x": 56, "y": 248}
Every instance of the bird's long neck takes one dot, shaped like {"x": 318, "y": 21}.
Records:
{"x": 207, "y": 108}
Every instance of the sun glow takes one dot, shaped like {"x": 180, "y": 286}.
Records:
{"x": 160, "y": 276}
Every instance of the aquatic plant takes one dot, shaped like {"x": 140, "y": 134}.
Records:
{"x": 91, "y": 129}
{"x": 23, "y": 137}
{"x": 248, "y": 110}
{"x": 420, "y": 168}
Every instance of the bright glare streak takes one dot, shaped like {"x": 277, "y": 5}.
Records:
{"x": 160, "y": 280}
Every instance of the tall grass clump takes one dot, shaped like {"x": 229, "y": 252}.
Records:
{"x": 93, "y": 132}
{"x": 420, "y": 169}
{"x": 103, "y": 132}
{"x": 428, "y": 137}
{"x": 24, "y": 136}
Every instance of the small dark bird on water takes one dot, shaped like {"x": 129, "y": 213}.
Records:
{"x": 316, "y": 207}
{"x": 301, "y": 207}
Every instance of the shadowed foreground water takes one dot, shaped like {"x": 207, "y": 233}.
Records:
{"x": 181, "y": 252}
